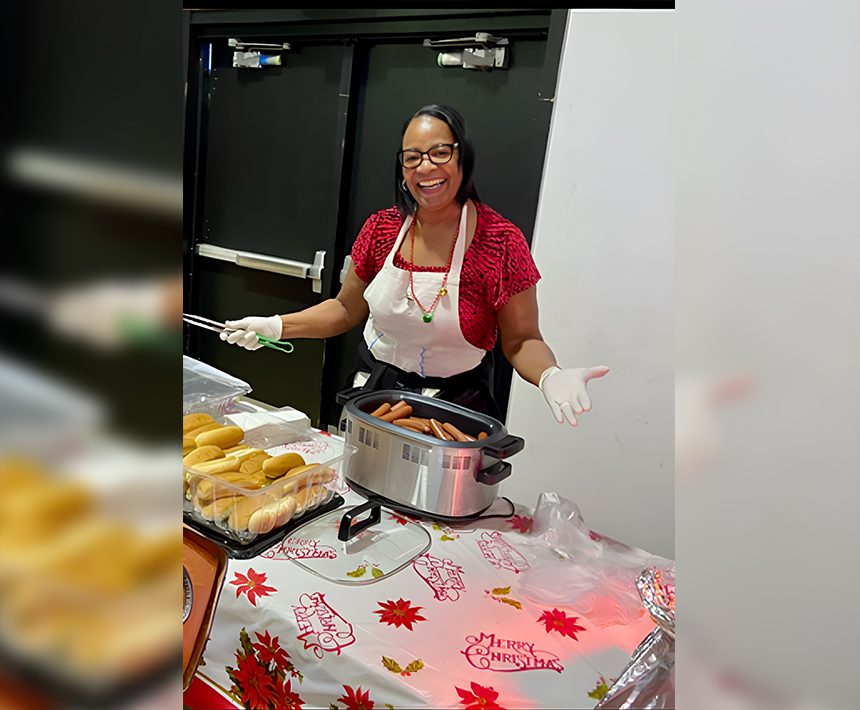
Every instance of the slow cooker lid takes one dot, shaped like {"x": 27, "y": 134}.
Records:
{"x": 372, "y": 555}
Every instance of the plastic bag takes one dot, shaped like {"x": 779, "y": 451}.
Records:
{"x": 577, "y": 568}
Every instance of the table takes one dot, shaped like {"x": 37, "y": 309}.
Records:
{"x": 450, "y": 630}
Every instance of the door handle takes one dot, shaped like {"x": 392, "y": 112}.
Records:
{"x": 265, "y": 262}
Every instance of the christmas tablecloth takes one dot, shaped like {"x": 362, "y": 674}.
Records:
{"x": 451, "y": 630}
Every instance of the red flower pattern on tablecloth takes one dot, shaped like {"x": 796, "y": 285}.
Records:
{"x": 269, "y": 650}
{"x": 565, "y": 625}
{"x": 254, "y": 683}
{"x": 399, "y": 519}
{"x": 258, "y": 681}
{"x": 253, "y": 585}
{"x": 399, "y": 613}
{"x": 521, "y": 523}
{"x": 286, "y": 699}
{"x": 480, "y": 698}
{"x": 355, "y": 699}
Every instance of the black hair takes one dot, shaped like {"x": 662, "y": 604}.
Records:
{"x": 465, "y": 158}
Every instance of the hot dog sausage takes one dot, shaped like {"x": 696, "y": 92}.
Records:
{"x": 397, "y": 413}
{"x": 439, "y": 432}
{"x": 381, "y": 409}
{"x": 455, "y": 432}
{"x": 413, "y": 423}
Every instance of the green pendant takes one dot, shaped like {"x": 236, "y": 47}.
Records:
{"x": 428, "y": 317}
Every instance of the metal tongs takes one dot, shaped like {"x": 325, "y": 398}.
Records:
{"x": 218, "y": 327}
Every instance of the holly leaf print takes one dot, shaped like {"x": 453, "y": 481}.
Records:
{"x": 357, "y": 572}
{"x": 512, "y": 602}
{"x": 501, "y": 591}
{"x": 414, "y": 667}
{"x": 376, "y": 572}
{"x": 391, "y": 665}
{"x": 565, "y": 625}
{"x": 447, "y": 538}
{"x": 389, "y": 706}
{"x": 600, "y": 690}
{"x": 332, "y": 706}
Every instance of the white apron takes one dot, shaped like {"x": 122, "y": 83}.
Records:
{"x": 396, "y": 333}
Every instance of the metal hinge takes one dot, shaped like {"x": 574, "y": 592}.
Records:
{"x": 483, "y": 51}
{"x": 255, "y": 55}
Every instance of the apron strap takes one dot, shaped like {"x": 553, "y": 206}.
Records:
{"x": 472, "y": 389}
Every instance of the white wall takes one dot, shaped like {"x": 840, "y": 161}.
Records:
{"x": 604, "y": 243}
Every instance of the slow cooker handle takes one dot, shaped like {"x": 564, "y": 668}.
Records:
{"x": 505, "y": 448}
{"x": 495, "y": 474}
{"x": 344, "y": 396}
{"x": 348, "y": 529}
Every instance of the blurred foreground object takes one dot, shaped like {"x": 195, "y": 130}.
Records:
{"x": 88, "y": 598}
{"x": 107, "y": 313}
{"x": 89, "y": 544}
{"x": 648, "y": 682}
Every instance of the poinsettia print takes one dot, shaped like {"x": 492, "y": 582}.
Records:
{"x": 259, "y": 679}
{"x": 521, "y": 523}
{"x": 565, "y": 625}
{"x": 355, "y": 699}
{"x": 254, "y": 685}
{"x": 253, "y": 585}
{"x": 285, "y": 698}
{"x": 399, "y": 613}
{"x": 399, "y": 519}
{"x": 480, "y": 698}
{"x": 269, "y": 650}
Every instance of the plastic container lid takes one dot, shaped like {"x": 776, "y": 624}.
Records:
{"x": 208, "y": 389}
{"x": 371, "y": 555}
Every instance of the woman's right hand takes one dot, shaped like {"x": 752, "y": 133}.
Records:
{"x": 244, "y": 332}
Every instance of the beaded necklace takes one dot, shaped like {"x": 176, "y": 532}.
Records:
{"x": 427, "y": 313}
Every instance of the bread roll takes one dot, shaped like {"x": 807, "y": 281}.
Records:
{"x": 225, "y": 484}
{"x": 253, "y": 464}
{"x": 263, "y": 520}
{"x": 277, "y": 466}
{"x": 203, "y": 454}
{"x": 194, "y": 420}
{"x": 225, "y": 437}
{"x": 223, "y": 465}
{"x": 286, "y": 510}
{"x": 240, "y": 514}
{"x": 217, "y": 509}
{"x": 308, "y": 498}
{"x": 240, "y": 447}
{"x": 210, "y": 426}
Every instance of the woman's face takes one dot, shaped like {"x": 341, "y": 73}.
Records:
{"x": 433, "y": 186}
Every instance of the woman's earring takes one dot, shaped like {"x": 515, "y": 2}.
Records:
{"x": 403, "y": 185}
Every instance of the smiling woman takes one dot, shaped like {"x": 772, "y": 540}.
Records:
{"x": 438, "y": 278}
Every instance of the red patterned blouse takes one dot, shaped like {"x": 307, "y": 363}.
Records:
{"x": 496, "y": 266}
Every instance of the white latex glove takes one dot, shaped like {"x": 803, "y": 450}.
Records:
{"x": 565, "y": 390}
{"x": 244, "y": 332}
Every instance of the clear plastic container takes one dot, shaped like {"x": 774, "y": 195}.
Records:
{"x": 245, "y": 504}
{"x": 207, "y": 389}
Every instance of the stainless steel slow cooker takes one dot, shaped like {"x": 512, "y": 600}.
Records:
{"x": 418, "y": 472}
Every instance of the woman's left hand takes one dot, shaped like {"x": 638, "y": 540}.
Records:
{"x": 565, "y": 390}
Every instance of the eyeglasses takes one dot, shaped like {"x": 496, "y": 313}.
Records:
{"x": 438, "y": 155}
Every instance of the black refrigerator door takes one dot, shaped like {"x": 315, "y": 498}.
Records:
{"x": 509, "y": 124}
{"x": 268, "y": 179}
